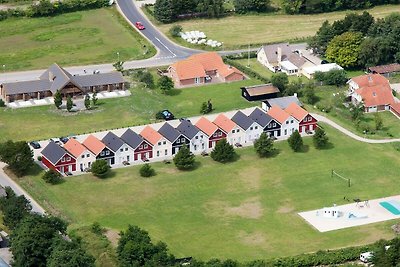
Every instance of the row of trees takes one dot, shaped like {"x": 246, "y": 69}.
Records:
{"x": 359, "y": 40}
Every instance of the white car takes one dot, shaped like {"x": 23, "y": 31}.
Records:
{"x": 366, "y": 256}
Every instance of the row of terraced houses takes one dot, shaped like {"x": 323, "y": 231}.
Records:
{"x": 163, "y": 140}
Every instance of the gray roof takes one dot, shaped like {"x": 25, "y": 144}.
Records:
{"x": 26, "y": 87}
{"x": 283, "y": 102}
{"x": 112, "y": 141}
{"x": 3, "y": 192}
{"x": 297, "y": 60}
{"x": 53, "y": 152}
{"x": 169, "y": 132}
{"x": 99, "y": 79}
{"x": 260, "y": 117}
{"x": 132, "y": 138}
{"x": 242, "y": 120}
{"x": 188, "y": 129}
{"x": 271, "y": 51}
{"x": 58, "y": 77}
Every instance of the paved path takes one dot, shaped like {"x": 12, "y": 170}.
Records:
{"x": 350, "y": 134}
{"x": 7, "y": 181}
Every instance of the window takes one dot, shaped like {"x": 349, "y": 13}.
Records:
{"x": 63, "y": 159}
{"x": 274, "y": 124}
{"x": 68, "y": 159}
{"x": 256, "y": 127}
{"x": 83, "y": 156}
{"x": 233, "y": 131}
{"x": 164, "y": 142}
{"x": 220, "y": 134}
{"x": 201, "y": 136}
{"x": 197, "y": 137}
{"x": 305, "y": 120}
{"x": 285, "y": 132}
{"x": 159, "y": 143}
{"x": 196, "y": 80}
{"x": 178, "y": 141}
{"x": 107, "y": 153}
{"x": 121, "y": 150}
{"x": 291, "y": 121}
{"x": 251, "y": 128}
{"x": 287, "y": 122}
{"x": 126, "y": 149}
{"x": 183, "y": 140}
{"x": 166, "y": 152}
{"x": 102, "y": 153}
{"x": 195, "y": 147}
{"x": 202, "y": 146}
{"x": 309, "y": 118}
{"x": 215, "y": 135}
{"x": 145, "y": 146}
{"x": 269, "y": 125}
{"x": 87, "y": 155}
{"x": 158, "y": 153}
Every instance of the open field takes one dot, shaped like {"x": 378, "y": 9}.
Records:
{"x": 250, "y": 204}
{"x": 139, "y": 108}
{"x": 238, "y": 30}
{"x": 78, "y": 38}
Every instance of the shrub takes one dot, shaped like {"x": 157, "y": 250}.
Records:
{"x": 39, "y": 158}
{"x": 146, "y": 171}
{"x": 100, "y": 168}
{"x": 223, "y": 152}
{"x": 320, "y": 139}
{"x": 2, "y": 103}
{"x": 184, "y": 159}
{"x": 295, "y": 141}
{"x": 396, "y": 146}
{"x": 146, "y": 78}
{"x": 96, "y": 228}
{"x": 52, "y": 177}
{"x": 165, "y": 84}
{"x": 176, "y": 30}
{"x": 332, "y": 77}
{"x": 264, "y": 145}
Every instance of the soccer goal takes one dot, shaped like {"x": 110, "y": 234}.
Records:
{"x": 335, "y": 174}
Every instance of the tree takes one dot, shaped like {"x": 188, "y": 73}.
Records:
{"x": 119, "y": 66}
{"x": 295, "y": 141}
{"x": 69, "y": 254}
{"x": 163, "y": 11}
{"x": 33, "y": 238}
{"x": 356, "y": 112}
{"x": 378, "y": 121}
{"x": 320, "y": 139}
{"x": 2, "y": 103}
{"x": 320, "y": 41}
{"x": 264, "y": 145}
{"x": 176, "y": 30}
{"x": 184, "y": 159}
{"x": 333, "y": 77}
{"x": 166, "y": 84}
{"x": 100, "y": 168}
{"x": 70, "y": 103}
{"x": 87, "y": 101}
{"x": 292, "y": 6}
{"x": 52, "y": 177}
{"x": 386, "y": 257}
{"x": 136, "y": 249}
{"x": 213, "y": 8}
{"x": 223, "y": 152}
{"x": 147, "y": 79}
{"x": 58, "y": 99}
{"x": 94, "y": 98}
{"x": 280, "y": 80}
{"x": 14, "y": 208}
{"x": 344, "y": 49}
{"x": 375, "y": 51}
{"x": 146, "y": 170}
{"x": 244, "y": 6}
{"x": 309, "y": 94}
{"x": 206, "y": 107}
{"x": 18, "y": 156}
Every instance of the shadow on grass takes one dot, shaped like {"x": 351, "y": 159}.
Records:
{"x": 274, "y": 153}
{"x": 304, "y": 149}
{"x": 110, "y": 174}
{"x": 328, "y": 146}
{"x": 174, "y": 92}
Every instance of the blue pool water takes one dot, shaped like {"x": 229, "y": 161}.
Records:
{"x": 392, "y": 205}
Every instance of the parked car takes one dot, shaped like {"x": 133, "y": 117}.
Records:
{"x": 139, "y": 26}
{"x": 125, "y": 163}
{"x": 55, "y": 140}
{"x": 64, "y": 139}
{"x": 165, "y": 115}
{"x": 204, "y": 153}
{"x": 68, "y": 174}
{"x": 35, "y": 144}
{"x": 184, "y": 119}
{"x": 238, "y": 145}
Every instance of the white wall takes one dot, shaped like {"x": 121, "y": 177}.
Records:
{"x": 199, "y": 143}
{"x": 236, "y": 135}
{"x": 86, "y": 159}
{"x": 289, "y": 126}
{"x": 121, "y": 156}
{"x": 253, "y": 132}
{"x": 262, "y": 58}
{"x": 162, "y": 149}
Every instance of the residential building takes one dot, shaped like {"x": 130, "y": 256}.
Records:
{"x": 385, "y": 70}
{"x": 250, "y": 127}
{"x": 288, "y": 123}
{"x": 311, "y": 70}
{"x": 373, "y": 91}
{"x": 57, "y": 158}
{"x": 270, "y": 125}
{"x": 234, "y": 134}
{"x": 84, "y": 157}
{"x": 198, "y": 139}
{"x": 142, "y": 149}
{"x": 176, "y": 138}
{"x": 99, "y": 149}
{"x": 307, "y": 123}
{"x": 122, "y": 151}
{"x": 162, "y": 147}
{"x": 213, "y": 132}
{"x": 259, "y": 92}
{"x": 203, "y": 68}
{"x": 282, "y": 102}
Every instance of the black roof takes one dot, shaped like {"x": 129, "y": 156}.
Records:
{"x": 169, "y": 132}
{"x": 188, "y": 129}
{"x": 132, "y": 138}
{"x": 53, "y": 152}
{"x": 260, "y": 117}
{"x": 112, "y": 141}
{"x": 242, "y": 120}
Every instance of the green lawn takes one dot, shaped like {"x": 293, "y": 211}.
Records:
{"x": 78, "y": 38}
{"x": 243, "y": 210}
{"x": 140, "y": 108}
{"x": 266, "y": 28}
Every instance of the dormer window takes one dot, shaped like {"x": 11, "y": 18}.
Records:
{"x": 374, "y": 94}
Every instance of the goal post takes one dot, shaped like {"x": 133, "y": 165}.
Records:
{"x": 335, "y": 174}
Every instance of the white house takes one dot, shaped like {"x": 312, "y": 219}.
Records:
{"x": 198, "y": 141}
{"x": 252, "y": 129}
{"x": 84, "y": 157}
{"x": 235, "y": 135}
{"x": 123, "y": 152}
{"x": 288, "y": 123}
{"x": 311, "y": 70}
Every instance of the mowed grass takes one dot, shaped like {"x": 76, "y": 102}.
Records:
{"x": 242, "y": 210}
{"x": 78, "y": 38}
{"x": 39, "y": 123}
{"x": 238, "y": 30}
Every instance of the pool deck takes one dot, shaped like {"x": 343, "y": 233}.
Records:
{"x": 374, "y": 211}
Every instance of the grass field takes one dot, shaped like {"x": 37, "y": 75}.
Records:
{"x": 78, "y": 38}
{"x": 243, "y": 210}
{"x": 140, "y": 108}
{"x": 236, "y": 31}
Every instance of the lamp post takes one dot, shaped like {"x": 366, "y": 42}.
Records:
{"x": 118, "y": 56}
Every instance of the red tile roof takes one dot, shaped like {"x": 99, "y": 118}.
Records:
{"x": 93, "y": 144}
{"x": 210, "y": 60}
{"x": 296, "y": 111}
{"x": 74, "y": 147}
{"x": 206, "y": 126}
{"x": 224, "y": 123}
{"x": 226, "y": 71}
{"x": 151, "y": 135}
{"x": 188, "y": 69}
{"x": 378, "y": 95}
{"x": 278, "y": 114}
{"x": 370, "y": 80}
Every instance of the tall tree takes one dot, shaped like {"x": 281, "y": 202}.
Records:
{"x": 295, "y": 141}
{"x": 100, "y": 168}
{"x": 163, "y": 11}
{"x": 320, "y": 139}
{"x": 344, "y": 49}
{"x": 69, "y": 254}
{"x": 184, "y": 159}
{"x": 94, "y": 98}
{"x": 18, "y": 156}
{"x": 58, "y": 99}
{"x": 87, "y": 101}
{"x": 244, "y": 6}
{"x": 280, "y": 80}
{"x": 165, "y": 84}
{"x": 14, "y": 208}
{"x": 70, "y": 103}
{"x": 264, "y": 145}
{"x": 223, "y": 152}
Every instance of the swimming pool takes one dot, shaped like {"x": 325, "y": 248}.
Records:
{"x": 392, "y": 205}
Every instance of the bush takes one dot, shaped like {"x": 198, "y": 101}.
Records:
{"x": 332, "y": 77}
{"x": 176, "y": 30}
{"x": 320, "y": 139}
{"x": 100, "y": 168}
{"x": 184, "y": 159}
{"x": 52, "y": 177}
{"x": 2, "y": 103}
{"x": 96, "y": 228}
{"x": 295, "y": 141}
{"x": 223, "y": 152}
{"x": 396, "y": 146}
{"x": 39, "y": 158}
{"x": 146, "y": 171}
{"x": 264, "y": 145}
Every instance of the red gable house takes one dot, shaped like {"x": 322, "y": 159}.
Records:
{"x": 57, "y": 158}
{"x": 307, "y": 123}
{"x": 143, "y": 150}
{"x": 211, "y": 130}
{"x": 372, "y": 90}
{"x": 202, "y": 68}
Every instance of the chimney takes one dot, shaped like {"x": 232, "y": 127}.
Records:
{"x": 295, "y": 94}
{"x": 279, "y": 54}
{"x": 370, "y": 79}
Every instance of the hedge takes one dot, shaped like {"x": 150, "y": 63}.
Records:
{"x": 247, "y": 71}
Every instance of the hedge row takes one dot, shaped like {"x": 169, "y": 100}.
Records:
{"x": 246, "y": 70}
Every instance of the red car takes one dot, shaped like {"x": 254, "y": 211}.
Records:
{"x": 139, "y": 25}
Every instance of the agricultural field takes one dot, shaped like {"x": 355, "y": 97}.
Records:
{"x": 265, "y": 28}
{"x": 250, "y": 204}
{"x": 85, "y": 37}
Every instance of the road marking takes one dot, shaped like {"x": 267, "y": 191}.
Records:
{"x": 165, "y": 46}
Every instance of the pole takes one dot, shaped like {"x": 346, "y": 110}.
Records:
{"x": 248, "y": 57}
